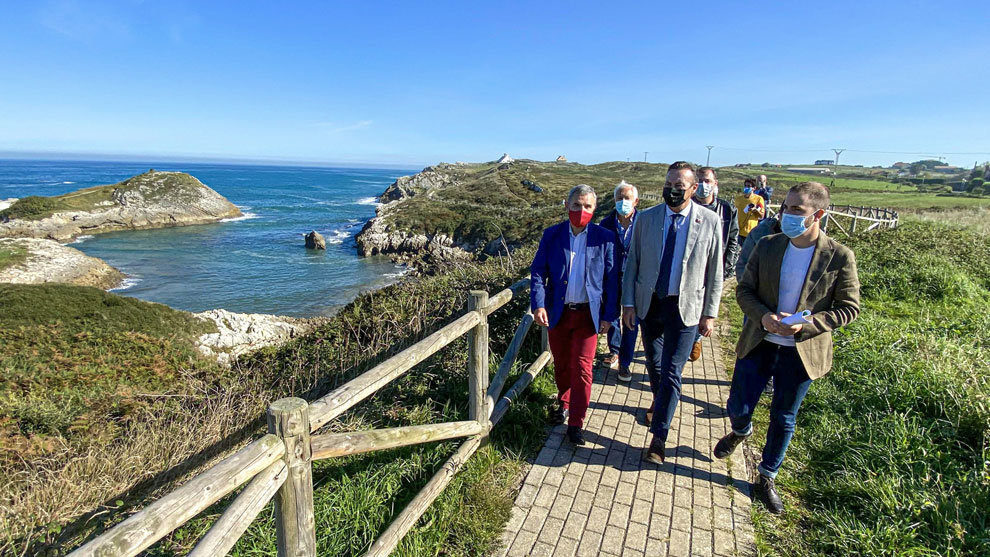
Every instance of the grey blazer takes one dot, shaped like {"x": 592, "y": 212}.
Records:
{"x": 701, "y": 269}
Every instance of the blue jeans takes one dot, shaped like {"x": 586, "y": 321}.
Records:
{"x": 622, "y": 341}
{"x": 667, "y": 343}
{"x": 791, "y": 383}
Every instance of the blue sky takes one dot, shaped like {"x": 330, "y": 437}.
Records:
{"x": 416, "y": 83}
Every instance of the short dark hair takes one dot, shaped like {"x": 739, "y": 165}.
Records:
{"x": 683, "y": 165}
{"x": 816, "y": 193}
{"x": 704, "y": 169}
{"x": 749, "y": 180}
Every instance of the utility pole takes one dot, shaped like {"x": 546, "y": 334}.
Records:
{"x": 709, "y": 159}
{"x": 644, "y": 155}
{"x": 837, "y": 152}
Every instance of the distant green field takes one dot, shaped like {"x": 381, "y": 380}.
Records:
{"x": 912, "y": 201}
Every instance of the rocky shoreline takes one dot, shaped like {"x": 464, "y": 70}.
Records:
{"x": 50, "y": 261}
{"x": 240, "y": 333}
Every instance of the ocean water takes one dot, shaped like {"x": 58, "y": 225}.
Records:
{"x": 255, "y": 264}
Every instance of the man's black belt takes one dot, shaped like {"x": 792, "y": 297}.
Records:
{"x": 574, "y": 307}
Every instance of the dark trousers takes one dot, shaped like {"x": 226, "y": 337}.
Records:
{"x": 622, "y": 341}
{"x": 573, "y": 341}
{"x": 791, "y": 383}
{"x": 667, "y": 343}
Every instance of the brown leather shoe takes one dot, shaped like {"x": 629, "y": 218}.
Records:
{"x": 610, "y": 360}
{"x": 695, "y": 352}
{"x": 654, "y": 453}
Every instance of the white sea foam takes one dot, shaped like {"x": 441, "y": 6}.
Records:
{"x": 68, "y": 182}
{"x": 129, "y": 282}
{"x": 81, "y": 239}
{"x": 244, "y": 216}
{"x": 373, "y": 201}
{"x": 338, "y": 236}
{"x": 381, "y": 182}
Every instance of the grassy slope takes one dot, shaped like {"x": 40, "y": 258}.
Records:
{"x": 37, "y": 207}
{"x": 891, "y": 452}
{"x": 107, "y": 346}
{"x": 487, "y": 203}
{"x": 73, "y": 359}
{"x": 11, "y": 255}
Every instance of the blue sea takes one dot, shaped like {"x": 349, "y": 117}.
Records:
{"x": 255, "y": 264}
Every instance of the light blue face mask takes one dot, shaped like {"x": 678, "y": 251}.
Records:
{"x": 747, "y": 191}
{"x": 793, "y": 225}
{"x": 624, "y": 206}
{"x": 705, "y": 189}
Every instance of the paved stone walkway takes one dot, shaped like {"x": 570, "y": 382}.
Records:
{"x": 602, "y": 499}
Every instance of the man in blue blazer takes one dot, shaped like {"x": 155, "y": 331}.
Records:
{"x": 574, "y": 292}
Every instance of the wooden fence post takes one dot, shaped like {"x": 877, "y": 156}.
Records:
{"x": 288, "y": 418}
{"x": 478, "y": 360}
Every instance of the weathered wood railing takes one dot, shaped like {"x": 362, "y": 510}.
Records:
{"x": 279, "y": 464}
{"x": 872, "y": 217}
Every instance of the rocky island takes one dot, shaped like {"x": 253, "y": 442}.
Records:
{"x": 153, "y": 199}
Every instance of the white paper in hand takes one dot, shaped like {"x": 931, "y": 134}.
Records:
{"x": 797, "y": 319}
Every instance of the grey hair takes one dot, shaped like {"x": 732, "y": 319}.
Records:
{"x": 582, "y": 189}
{"x": 623, "y": 185}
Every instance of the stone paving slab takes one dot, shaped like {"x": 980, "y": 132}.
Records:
{"x": 603, "y": 499}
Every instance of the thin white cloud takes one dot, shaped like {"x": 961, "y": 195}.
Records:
{"x": 335, "y": 127}
{"x": 69, "y": 18}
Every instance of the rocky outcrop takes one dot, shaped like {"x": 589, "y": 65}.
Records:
{"x": 377, "y": 238}
{"x": 150, "y": 200}
{"x": 50, "y": 261}
{"x": 505, "y": 159}
{"x": 431, "y": 178}
{"x": 4, "y": 203}
{"x": 240, "y": 333}
{"x": 315, "y": 240}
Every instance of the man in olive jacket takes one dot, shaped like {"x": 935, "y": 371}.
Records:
{"x": 799, "y": 270}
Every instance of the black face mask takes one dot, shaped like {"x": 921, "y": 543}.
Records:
{"x": 673, "y": 197}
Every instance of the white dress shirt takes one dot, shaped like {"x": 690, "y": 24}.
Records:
{"x": 793, "y": 273}
{"x": 681, "y": 228}
{"x": 577, "y": 290}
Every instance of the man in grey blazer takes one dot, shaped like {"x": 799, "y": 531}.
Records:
{"x": 672, "y": 283}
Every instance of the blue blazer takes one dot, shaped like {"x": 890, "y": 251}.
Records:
{"x": 548, "y": 274}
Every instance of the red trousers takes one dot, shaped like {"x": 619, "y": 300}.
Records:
{"x": 573, "y": 342}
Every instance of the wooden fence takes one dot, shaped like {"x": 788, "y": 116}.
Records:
{"x": 279, "y": 464}
{"x": 870, "y": 217}
{"x": 848, "y": 219}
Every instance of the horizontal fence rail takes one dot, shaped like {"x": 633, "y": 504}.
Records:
{"x": 279, "y": 464}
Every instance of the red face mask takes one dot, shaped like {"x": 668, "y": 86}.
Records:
{"x": 579, "y": 219}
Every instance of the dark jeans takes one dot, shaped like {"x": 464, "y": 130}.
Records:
{"x": 622, "y": 341}
{"x": 667, "y": 343}
{"x": 791, "y": 383}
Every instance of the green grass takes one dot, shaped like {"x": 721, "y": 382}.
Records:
{"x": 11, "y": 255}
{"x": 74, "y": 357}
{"x": 892, "y": 450}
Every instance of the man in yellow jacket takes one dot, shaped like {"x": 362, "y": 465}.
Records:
{"x": 750, "y": 208}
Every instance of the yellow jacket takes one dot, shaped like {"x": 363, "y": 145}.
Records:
{"x": 749, "y": 219}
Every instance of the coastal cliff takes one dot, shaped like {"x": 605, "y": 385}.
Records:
{"x": 450, "y": 212}
{"x": 153, "y": 199}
